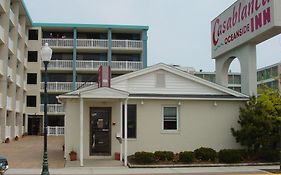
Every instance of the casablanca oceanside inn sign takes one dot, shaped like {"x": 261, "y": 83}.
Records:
{"x": 246, "y": 21}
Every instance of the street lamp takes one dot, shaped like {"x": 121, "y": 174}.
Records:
{"x": 46, "y": 55}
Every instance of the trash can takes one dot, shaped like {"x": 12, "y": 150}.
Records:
{"x": 117, "y": 156}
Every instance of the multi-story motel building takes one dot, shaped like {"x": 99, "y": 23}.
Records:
{"x": 78, "y": 52}
{"x": 269, "y": 76}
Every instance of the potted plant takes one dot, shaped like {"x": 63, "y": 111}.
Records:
{"x": 73, "y": 155}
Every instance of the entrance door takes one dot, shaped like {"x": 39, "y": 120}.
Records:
{"x": 33, "y": 126}
{"x": 100, "y": 131}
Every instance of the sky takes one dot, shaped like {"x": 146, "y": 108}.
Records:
{"x": 179, "y": 30}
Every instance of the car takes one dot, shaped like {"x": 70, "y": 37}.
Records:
{"x": 3, "y": 165}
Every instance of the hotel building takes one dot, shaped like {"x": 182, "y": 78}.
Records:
{"x": 78, "y": 52}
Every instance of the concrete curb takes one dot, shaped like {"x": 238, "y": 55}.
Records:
{"x": 202, "y": 165}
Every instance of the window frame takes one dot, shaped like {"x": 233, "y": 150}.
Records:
{"x": 27, "y": 101}
{"x": 177, "y": 119}
{"x": 28, "y": 81}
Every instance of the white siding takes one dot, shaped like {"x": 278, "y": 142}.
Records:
{"x": 174, "y": 85}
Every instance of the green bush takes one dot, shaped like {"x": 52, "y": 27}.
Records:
{"x": 269, "y": 155}
{"x": 186, "y": 157}
{"x": 205, "y": 154}
{"x": 230, "y": 156}
{"x": 163, "y": 155}
{"x": 144, "y": 157}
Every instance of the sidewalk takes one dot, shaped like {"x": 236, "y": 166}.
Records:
{"x": 125, "y": 170}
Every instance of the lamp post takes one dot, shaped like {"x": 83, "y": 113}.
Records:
{"x": 46, "y": 54}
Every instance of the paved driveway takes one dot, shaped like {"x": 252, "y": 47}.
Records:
{"x": 27, "y": 152}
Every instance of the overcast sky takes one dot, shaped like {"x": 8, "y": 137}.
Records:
{"x": 179, "y": 30}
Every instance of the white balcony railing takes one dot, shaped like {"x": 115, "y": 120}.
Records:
{"x": 126, "y": 65}
{"x": 1, "y": 103}
{"x": 55, "y": 130}
{"x": 16, "y": 131}
{"x": 54, "y": 42}
{"x": 63, "y": 86}
{"x": 11, "y": 45}
{"x": 2, "y": 35}
{"x": 127, "y": 44}
{"x": 10, "y": 74}
{"x": 1, "y": 67}
{"x": 93, "y": 65}
{"x": 9, "y": 103}
{"x": 20, "y": 31}
{"x": 12, "y": 17}
{"x": 18, "y": 80}
{"x": 19, "y": 56}
{"x": 92, "y": 43}
{"x": 18, "y": 107}
{"x": 7, "y": 132}
{"x": 53, "y": 108}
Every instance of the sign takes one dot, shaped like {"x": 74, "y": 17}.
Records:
{"x": 245, "y": 21}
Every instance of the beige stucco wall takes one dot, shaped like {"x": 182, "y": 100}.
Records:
{"x": 201, "y": 123}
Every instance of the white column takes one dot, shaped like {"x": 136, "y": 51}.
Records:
{"x": 126, "y": 133}
{"x": 81, "y": 131}
{"x": 121, "y": 130}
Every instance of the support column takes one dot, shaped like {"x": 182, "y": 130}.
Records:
{"x": 74, "y": 59}
{"x": 126, "y": 133}
{"x": 144, "y": 48}
{"x": 81, "y": 132}
{"x": 121, "y": 130}
{"x": 109, "y": 52}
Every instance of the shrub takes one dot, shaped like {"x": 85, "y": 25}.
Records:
{"x": 186, "y": 157}
{"x": 269, "y": 155}
{"x": 144, "y": 157}
{"x": 230, "y": 155}
{"x": 163, "y": 155}
{"x": 205, "y": 154}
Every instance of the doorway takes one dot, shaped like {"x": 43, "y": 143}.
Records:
{"x": 100, "y": 131}
{"x": 34, "y": 125}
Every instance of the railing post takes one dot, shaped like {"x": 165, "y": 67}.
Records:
{"x": 56, "y": 131}
{"x": 48, "y": 130}
{"x": 126, "y": 65}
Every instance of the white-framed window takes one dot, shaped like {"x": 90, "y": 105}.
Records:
{"x": 170, "y": 118}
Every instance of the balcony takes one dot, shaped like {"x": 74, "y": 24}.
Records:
{"x": 127, "y": 44}
{"x": 2, "y": 6}
{"x": 63, "y": 86}
{"x": 20, "y": 30}
{"x": 18, "y": 106}
{"x": 93, "y": 43}
{"x": 53, "y": 108}
{"x": 55, "y": 130}
{"x": 2, "y": 35}
{"x": 19, "y": 55}
{"x": 9, "y": 103}
{"x": 7, "y": 132}
{"x": 93, "y": 65}
{"x": 1, "y": 68}
{"x": 1, "y": 103}
{"x": 11, "y": 45}
{"x": 12, "y": 17}
{"x": 10, "y": 74}
{"x": 18, "y": 80}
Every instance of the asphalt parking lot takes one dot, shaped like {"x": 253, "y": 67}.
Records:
{"x": 27, "y": 152}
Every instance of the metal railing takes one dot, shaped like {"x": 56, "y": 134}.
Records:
{"x": 9, "y": 103}
{"x": 128, "y": 44}
{"x": 53, "y": 108}
{"x": 93, "y": 43}
{"x": 55, "y": 130}
{"x": 12, "y": 17}
{"x": 93, "y": 65}
{"x": 7, "y": 132}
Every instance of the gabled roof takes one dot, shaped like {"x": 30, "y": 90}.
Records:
{"x": 221, "y": 91}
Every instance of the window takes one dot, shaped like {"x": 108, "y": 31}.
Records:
{"x": 32, "y": 56}
{"x": 170, "y": 118}
{"x": 132, "y": 121}
{"x": 31, "y": 101}
{"x": 33, "y": 35}
{"x": 31, "y": 78}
